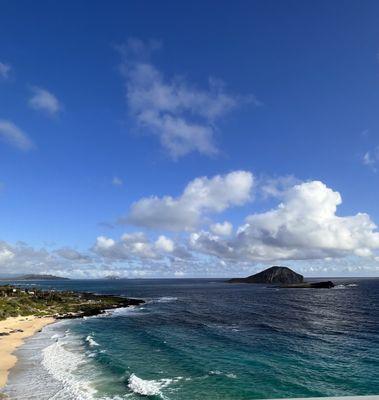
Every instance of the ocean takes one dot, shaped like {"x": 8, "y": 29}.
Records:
{"x": 204, "y": 339}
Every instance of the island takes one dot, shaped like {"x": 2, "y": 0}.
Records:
{"x": 284, "y": 277}
{"x": 112, "y": 277}
{"x": 274, "y": 275}
{"x": 18, "y": 301}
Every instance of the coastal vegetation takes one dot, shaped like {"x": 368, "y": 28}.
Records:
{"x": 35, "y": 277}
{"x": 15, "y": 301}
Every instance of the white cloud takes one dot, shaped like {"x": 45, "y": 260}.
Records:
{"x": 277, "y": 186}
{"x": 371, "y": 158}
{"x": 21, "y": 258}
{"x": 207, "y": 243}
{"x": 180, "y": 114}
{"x": 201, "y": 196}
{"x": 130, "y": 246}
{"x": 116, "y": 181}
{"x": 73, "y": 255}
{"x": 104, "y": 243}
{"x": 165, "y": 244}
{"x": 222, "y": 229}
{"x": 12, "y": 134}
{"x": 136, "y": 246}
{"x": 43, "y": 100}
{"x": 5, "y": 254}
{"x": 305, "y": 226}
{"x": 4, "y": 70}
{"x": 304, "y": 230}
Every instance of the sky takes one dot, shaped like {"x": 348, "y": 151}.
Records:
{"x": 189, "y": 139}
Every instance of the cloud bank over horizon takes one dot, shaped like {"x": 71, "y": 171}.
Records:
{"x": 303, "y": 229}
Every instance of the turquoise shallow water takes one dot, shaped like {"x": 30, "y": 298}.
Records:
{"x": 205, "y": 339}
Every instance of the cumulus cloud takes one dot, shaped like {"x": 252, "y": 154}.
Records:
{"x": 4, "y": 70}
{"x": 201, "y": 196}
{"x": 21, "y": 258}
{"x": 130, "y": 246}
{"x": 210, "y": 244}
{"x": 138, "y": 247}
{"x": 12, "y": 134}
{"x": 222, "y": 229}
{"x": 276, "y": 186}
{"x": 43, "y": 100}
{"x": 5, "y": 254}
{"x": 165, "y": 244}
{"x": 304, "y": 226}
{"x": 180, "y": 114}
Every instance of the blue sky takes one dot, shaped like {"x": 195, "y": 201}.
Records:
{"x": 110, "y": 112}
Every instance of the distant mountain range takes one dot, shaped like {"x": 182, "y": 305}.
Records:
{"x": 35, "y": 277}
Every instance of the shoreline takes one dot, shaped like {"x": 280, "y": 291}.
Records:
{"x": 15, "y": 330}
{"x": 53, "y": 305}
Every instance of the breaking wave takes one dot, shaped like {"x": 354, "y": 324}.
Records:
{"x": 345, "y": 286}
{"x": 146, "y": 387}
{"x": 91, "y": 342}
{"x": 166, "y": 299}
{"x": 62, "y": 365}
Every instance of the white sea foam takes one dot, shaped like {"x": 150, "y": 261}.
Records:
{"x": 228, "y": 375}
{"x": 124, "y": 310}
{"x": 56, "y": 336}
{"x": 62, "y": 365}
{"x": 166, "y": 299}
{"x": 215, "y": 372}
{"x": 345, "y": 286}
{"x": 146, "y": 387}
{"x": 91, "y": 342}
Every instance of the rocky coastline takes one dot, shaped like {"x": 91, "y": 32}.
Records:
{"x": 17, "y": 301}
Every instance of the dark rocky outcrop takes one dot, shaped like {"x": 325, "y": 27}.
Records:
{"x": 100, "y": 305}
{"x": 274, "y": 275}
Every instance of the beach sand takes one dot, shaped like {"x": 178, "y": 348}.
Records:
{"x": 29, "y": 326}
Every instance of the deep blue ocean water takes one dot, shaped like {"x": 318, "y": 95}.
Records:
{"x": 206, "y": 339}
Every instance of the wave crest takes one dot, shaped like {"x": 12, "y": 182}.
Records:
{"x": 146, "y": 387}
{"x": 61, "y": 364}
{"x": 91, "y": 342}
{"x": 166, "y": 299}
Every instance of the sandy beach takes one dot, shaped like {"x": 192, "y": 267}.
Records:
{"x": 19, "y": 328}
